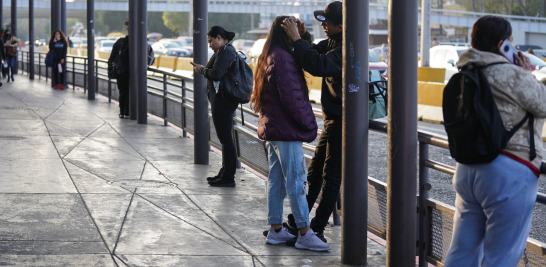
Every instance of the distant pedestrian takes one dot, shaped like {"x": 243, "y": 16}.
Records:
{"x": 11, "y": 44}
{"x": 59, "y": 45}
{"x": 222, "y": 106}
{"x": 70, "y": 43}
{"x": 323, "y": 60}
{"x": 495, "y": 201}
{"x": 121, "y": 49}
{"x": 286, "y": 120}
{"x": 2, "y": 52}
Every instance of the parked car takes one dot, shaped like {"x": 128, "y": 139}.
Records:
{"x": 540, "y": 53}
{"x": 181, "y": 43}
{"x": 446, "y": 56}
{"x": 83, "y": 44}
{"x": 40, "y": 42}
{"x": 187, "y": 39}
{"x": 169, "y": 49}
{"x": 256, "y": 50}
{"x": 106, "y": 46}
{"x": 382, "y": 51}
{"x": 524, "y": 48}
{"x": 75, "y": 41}
{"x": 243, "y": 45}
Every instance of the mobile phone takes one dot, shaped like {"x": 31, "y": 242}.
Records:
{"x": 508, "y": 51}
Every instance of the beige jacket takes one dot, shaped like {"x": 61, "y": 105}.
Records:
{"x": 516, "y": 91}
{"x": 13, "y": 38}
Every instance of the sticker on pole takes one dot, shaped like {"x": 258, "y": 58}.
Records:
{"x": 353, "y": 88}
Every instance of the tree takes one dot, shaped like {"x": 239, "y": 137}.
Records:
{"x": 156, "y": 24}
{"x": 177, "y": 22}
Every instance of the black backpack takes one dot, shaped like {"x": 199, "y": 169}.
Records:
{"x": 118, "y": 70}
{"x": 239, "y": 80}
{"x": 472, "y": 121}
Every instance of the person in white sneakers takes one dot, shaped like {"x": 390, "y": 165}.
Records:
{"x": 286, "y": 120}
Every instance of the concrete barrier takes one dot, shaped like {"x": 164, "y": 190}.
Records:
{"x": 426, "y": 74}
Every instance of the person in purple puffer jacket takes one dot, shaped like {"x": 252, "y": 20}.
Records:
{"x": 286, "y": 120}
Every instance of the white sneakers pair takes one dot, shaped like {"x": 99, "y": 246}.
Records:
{"x": 309, "y": 241}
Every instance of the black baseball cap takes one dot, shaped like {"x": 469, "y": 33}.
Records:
{"x": 333, "y": 13}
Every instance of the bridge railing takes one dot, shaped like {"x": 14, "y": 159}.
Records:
{"x": 169, "y": 97}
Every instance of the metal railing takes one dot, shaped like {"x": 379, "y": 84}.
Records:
{"x": 435, "y": 219}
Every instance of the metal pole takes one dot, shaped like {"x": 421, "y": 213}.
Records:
{"x": 14, "y": 28}
{"x": 238, "y": 165}
{"x": 31, "y": 38}
{"x": 402, "y": 134}
{"x": 133, "y": 80}
{"x": 354, "y": 168}
{"x": 90, "y": 49}
{"x": 2, "y": 14}
{"x": 183, "y": 109}
{"x": 424, "y": 188}
{"x": 201, "y": 136}
{"x": 63, "y": 29}
{"x": 165, "y": 90}
{"x": 141, "y": 62}
{"x": 425, "y": 33}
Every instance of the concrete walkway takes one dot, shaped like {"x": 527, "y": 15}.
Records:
{"x": 80, "y": 187}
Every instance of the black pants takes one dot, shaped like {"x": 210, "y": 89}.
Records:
{"x": 222, "y": 117}
{"x": 324, "y": 172}
{"x": 58, "y": 78}
{"x": 123, "y": 87}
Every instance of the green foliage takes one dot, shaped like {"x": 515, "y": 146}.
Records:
{"x": 110, "y": 21}
{"x": 156, "y": 24}
{"x": 508, "y": 7}
{"x": 177, "y": 22}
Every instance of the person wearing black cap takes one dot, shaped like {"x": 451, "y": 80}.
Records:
{"x": 323, "y": 60}
{"x": 121, "y": 49}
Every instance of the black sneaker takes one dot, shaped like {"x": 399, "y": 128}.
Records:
{"x": 292, "y": 242}
{"x": 291, "y": 230}
{"x": 212, "y": 178}
{"x": 292, "y": 221}
{"x": 223, "y": 182}
{"x": 320, "y": 235}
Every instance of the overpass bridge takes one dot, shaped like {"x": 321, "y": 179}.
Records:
{"x": 78, "y": 8}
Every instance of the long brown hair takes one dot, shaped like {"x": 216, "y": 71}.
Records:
{"x": 277, "y": 36}
{"x": 62, "y": 36}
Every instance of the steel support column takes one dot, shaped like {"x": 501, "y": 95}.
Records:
{"x": 133, "y": 80}
{"x": 90, "y": 49}
{"x": 425, "y": 33}
{"x": 355, "y": 133}
{"x": 201, "y": 137}
{"x": 55, "y": 15}
{"x": 402, "y": 134}
{"x": 62, "y": 13}
{"x": 2, "y": 13}
{"x": 14, "y": 29}
{"x": 31, "y": 38}
{"x": 141, "y": 58}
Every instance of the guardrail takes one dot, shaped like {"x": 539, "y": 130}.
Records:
{"x": 435, "y": 219}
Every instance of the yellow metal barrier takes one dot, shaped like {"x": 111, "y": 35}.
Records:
{"x": 183, "y": 63}
{"x": 168, "y": 62}
{"x": 436, "y": 75}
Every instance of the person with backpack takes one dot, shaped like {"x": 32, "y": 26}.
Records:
{"x": 323, "y": 60}
{"x": 494, "y": 112}
{"x": 286, "y": 121}
{"x": 11, "y": 43}
{"x": 120, "y": 56}
{"x": 222, "y": 105}
{"x": 59, "y": 45}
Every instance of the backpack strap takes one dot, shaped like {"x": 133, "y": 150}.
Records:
{"x": 531, "y": 118}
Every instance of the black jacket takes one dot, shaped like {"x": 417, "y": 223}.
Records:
{"x": 2, "y": 51}
{"x": 60, "y": 48}
{"x": 121, "y": 45}
{"x": 218, "y": 65}
{"x": 324, "y": 60}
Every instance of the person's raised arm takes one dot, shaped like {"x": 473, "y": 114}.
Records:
{"x": 221, "y": 65}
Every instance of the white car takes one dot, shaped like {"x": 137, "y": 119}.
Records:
{"x": 446, "y": 57}
{"x": 256, "y": 50}
{"x": 106, "y": 46}
{"x": 243, "y": 45}
{"x": 169, "y": 49}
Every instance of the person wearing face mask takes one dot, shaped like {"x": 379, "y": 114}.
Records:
{"x": 59, "y": 45}
{"x": 222, "y": 106}
{"x": 11, "y": 43}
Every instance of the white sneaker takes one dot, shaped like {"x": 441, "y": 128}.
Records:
{"x": 310, "y": 241}
{"x": 281, "y": 237}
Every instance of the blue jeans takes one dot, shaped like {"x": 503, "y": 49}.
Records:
{"x": 494, "y": 207}
{"x": 11, "y": 65}
{"x": 287, "y": 176}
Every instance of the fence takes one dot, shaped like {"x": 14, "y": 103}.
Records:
{"x": 168, "y": 98}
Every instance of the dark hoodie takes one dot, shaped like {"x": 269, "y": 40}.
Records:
{"x": 324, "y": 60}
{"x": 60, "y": 48}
